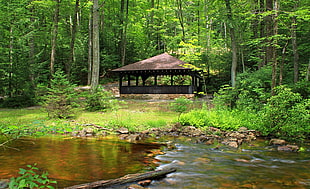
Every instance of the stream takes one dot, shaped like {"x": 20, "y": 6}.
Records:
{"x": 254, "y": 166}
{"x": 72, "y": 161}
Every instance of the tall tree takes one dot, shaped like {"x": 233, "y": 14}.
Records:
{"x": 233, "y": 43}
{"x": 294, "y": 45}
{"x": 73, "y": 37}
{"x": 96, "y": 46}
{"x": 274, "y": 43}
{"x": 54, "y": 37}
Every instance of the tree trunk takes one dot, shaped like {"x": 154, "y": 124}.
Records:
{"x": 54, "y": 37}
{"x": 308, "y": 71}
{"x": 96, "y": 48}
{"x": 282, "y": 64}
{"x": 295, "y": 49}
{"x": 126, "y": 179}
{"x": 233, "y": 45}
{"x": 274, "y": 44}
{"x": 181, "y": 18}
{"x": 73, "y": 37}
{"x": 90, "y": 48}
{"x": 123, "y": 32}
{"x": 11, "y": 62}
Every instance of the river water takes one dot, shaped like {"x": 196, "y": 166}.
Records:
{"x": 256, "y": 166}
{"x": 75, "y": 161}
{"x": 72, "y": 161}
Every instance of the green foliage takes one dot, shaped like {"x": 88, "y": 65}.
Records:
{"x": 30, "y": 178}
{"x": 223, "y": 119}
{"x": 251, "y": 92}
{"x": 99, "y": 100}
{"x": 18, "y": 101}
{"x": 226, "y": 97}
{"x": 303, "y": 88}
{"x": 180, "y": 105}
{"x": 62, "y": 99}
{"x": 287, "y": 114}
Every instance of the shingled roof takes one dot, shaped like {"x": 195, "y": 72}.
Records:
{"x": 160, "y": 62}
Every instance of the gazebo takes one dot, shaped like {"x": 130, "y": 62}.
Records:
{"x": 144, "y": 77}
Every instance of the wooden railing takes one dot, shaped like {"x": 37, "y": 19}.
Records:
{"x": 160, "y": 89}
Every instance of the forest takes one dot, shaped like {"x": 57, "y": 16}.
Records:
{"x": 251, "y": 52}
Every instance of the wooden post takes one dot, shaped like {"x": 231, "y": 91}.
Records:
{"x": 137, "y": 80}
{"x": 155, "y": 80}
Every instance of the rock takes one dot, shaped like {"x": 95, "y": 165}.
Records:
{"x": 4, "y": 183}
{"x": 123, "y": 130}
{"x": 133, "y": 137}
{"x": 277, "y": 142}
{"x": 145, "y": 182}
{"x": 288, "y": 148}
{"x": 233, "y": 144}
{"x": 243, "y": 129}
{"x": 135, "y": 186}
{"x": 192, "y": 131}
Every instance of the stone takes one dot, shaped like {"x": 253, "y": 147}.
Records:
{"x": 277, "y": 142}
{"x": 123, "y": 130}
{"x": 4, "y": 183}
{"x": 233, "y": 144}
{"x": 135, "y": 186}
{"x": 288, "y": 148}
{"x": 145, "y": 182}
{"x": 133, "y": 137}
{"x": 242, "y": 129}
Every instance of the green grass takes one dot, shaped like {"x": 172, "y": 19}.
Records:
{"x": 134, "y": 115}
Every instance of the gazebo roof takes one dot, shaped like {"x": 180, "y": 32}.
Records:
{"x": 160, "y": 62}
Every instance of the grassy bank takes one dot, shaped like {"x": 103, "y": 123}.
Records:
{"x": 134, "y": 115}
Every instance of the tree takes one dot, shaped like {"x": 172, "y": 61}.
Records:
{"x": 96, "y": 46}
{"x": 233, "y": 44}
{"x": 54, "y": 36}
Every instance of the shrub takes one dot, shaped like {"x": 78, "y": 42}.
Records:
{"x": 223, "y": 119}
{"x": 287, "y": 114}
{"x": 180, "y": 105}
{"x": 61, "y": 100}
{"x": 19, "y": 101}
{"x": 99, "y": 100}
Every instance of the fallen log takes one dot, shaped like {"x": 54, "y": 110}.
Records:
{"x": 126, "y": 179}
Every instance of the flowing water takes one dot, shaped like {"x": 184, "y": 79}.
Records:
{"x": 254, "y": 166}
{"x": 75, "y": 161}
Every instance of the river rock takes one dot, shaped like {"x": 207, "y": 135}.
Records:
{"x": 192, "y": 131}
{"x": 145, "y": 182}
{"x": 243, "y": 129}
{"x": 135, "y": 186}
{"x": 4, "y": 183}
{"x": 133, "y": 138}
{"x": 277, "y": 141}
{"x": 288, "y": 148}
{"x": 123, "y": 130}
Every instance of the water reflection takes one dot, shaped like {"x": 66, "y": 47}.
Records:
{"x": 75, "y": 161}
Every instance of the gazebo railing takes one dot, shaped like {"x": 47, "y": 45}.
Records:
{"x": 160, "y": 89}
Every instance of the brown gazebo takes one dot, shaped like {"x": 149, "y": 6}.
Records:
{"x": 135, "y": 78}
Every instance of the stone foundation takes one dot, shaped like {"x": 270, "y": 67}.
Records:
{"x": 156, "y": 96}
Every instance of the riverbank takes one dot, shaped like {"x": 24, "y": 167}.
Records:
{"x": 209, "y": 136}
